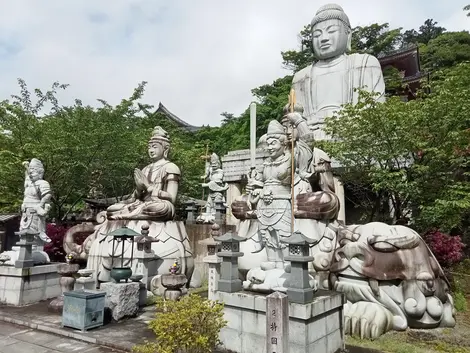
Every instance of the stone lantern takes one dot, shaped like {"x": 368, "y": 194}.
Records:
{"x": 229, "y": 252}
{"x": 298, "y": 288}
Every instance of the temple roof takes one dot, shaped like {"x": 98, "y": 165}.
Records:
{"x": 404, "y": 59}
{"x": 164, "y": 110}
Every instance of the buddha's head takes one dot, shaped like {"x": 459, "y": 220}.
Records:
{"x": 159, "y": 144}
{"x": 35, "y": 170}
{"x": 331, "y": 32}
{"x": 276, "y": 139}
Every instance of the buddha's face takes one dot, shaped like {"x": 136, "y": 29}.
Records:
{"x": 156, "y": 150}
{"x": 330, "y": 39}
{"x": 35, "y": 174}
{"x": 275, "y": 147}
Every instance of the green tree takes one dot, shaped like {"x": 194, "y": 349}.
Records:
{"x": 446, "y": 50}
{"x": 414, "y": 153}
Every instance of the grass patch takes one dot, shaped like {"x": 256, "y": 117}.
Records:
{"x": 401, "y": 342}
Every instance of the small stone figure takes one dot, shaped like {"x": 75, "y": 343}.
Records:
{"x": 217, "y": 188}
{"x": 174, "y": 269}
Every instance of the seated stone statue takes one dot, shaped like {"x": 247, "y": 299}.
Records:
{"x": 151, "y": 207}
{"x": 156, "y": 186}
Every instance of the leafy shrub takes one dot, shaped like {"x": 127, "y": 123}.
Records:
{"x": 55, "y": 249}
{"x": 447, "y": 249}
{"x": 460, "y": 302}
{"x": 190, "y": 325}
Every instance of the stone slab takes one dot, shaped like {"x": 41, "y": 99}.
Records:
{"x": 315, "y": 327}
{"x": 122, "y": 299}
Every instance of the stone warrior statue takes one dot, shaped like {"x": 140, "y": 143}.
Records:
{"x": 34, "y": 209}
{"x": 217, "y": 188}
{"x": 152, "y": 205}
{"x": 389, "y": 276}
{"x": 36, "y": 201}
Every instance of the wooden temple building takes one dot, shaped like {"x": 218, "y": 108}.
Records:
{"x": 406, "y": 61}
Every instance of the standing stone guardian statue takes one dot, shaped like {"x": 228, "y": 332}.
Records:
{"x": 217, "y": 188}
{"x": 34, "y": 209}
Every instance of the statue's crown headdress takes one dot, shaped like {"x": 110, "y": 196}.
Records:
{"x": 331, "y": 11}
{"x": 158, "y": 134}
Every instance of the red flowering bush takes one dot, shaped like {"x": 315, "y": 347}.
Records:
{"x": 447, "y": 249}
{"x": 55, "y": 248}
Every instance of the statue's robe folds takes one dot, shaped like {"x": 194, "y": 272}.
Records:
{"x": 322, "y": 88}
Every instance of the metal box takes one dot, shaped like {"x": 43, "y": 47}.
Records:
{"x": 83, "y": 309}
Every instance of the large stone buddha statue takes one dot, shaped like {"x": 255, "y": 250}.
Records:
{"x": 323, "y": 87}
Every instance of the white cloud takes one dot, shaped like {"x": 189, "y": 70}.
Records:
{"x": 200, "y": 57}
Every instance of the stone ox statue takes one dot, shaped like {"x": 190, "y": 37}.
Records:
{"x": 389, "y": 276}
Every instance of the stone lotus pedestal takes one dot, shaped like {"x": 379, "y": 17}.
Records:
{"x": 67, "y": 281}
{"x": 173, "y": 284}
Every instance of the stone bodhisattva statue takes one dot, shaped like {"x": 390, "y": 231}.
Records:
{"x": 217, "y": 188}
{"x": 156, "y": 186}
{"x": 34, "y": 209}
{"x": 151, "y": 204}
{"x": 389, "y": 276}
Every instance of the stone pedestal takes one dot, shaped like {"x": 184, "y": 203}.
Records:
{"x": 122, "y": 299}
{"x": 314, "y": 327}
{"x": 67, "y": 281}
{"x": 24, "y": 286}
{"x": 86, "y": 281}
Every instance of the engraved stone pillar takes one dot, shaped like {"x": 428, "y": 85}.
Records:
{"x": 191, "y": 212}
{"x": 299, "y": 290}
{"x": 212, "y": 260}
{"x": 230, "y": 252}
{"x": 277, "y": 323}
{"x": 25, "y": 258}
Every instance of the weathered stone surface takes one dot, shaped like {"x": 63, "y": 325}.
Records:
{"x": 122, "y": 299}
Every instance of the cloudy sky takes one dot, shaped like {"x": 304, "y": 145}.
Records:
{"x": 200, "y": 57}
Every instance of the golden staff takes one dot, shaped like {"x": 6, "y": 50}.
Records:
{"x": 291, "y": 109}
